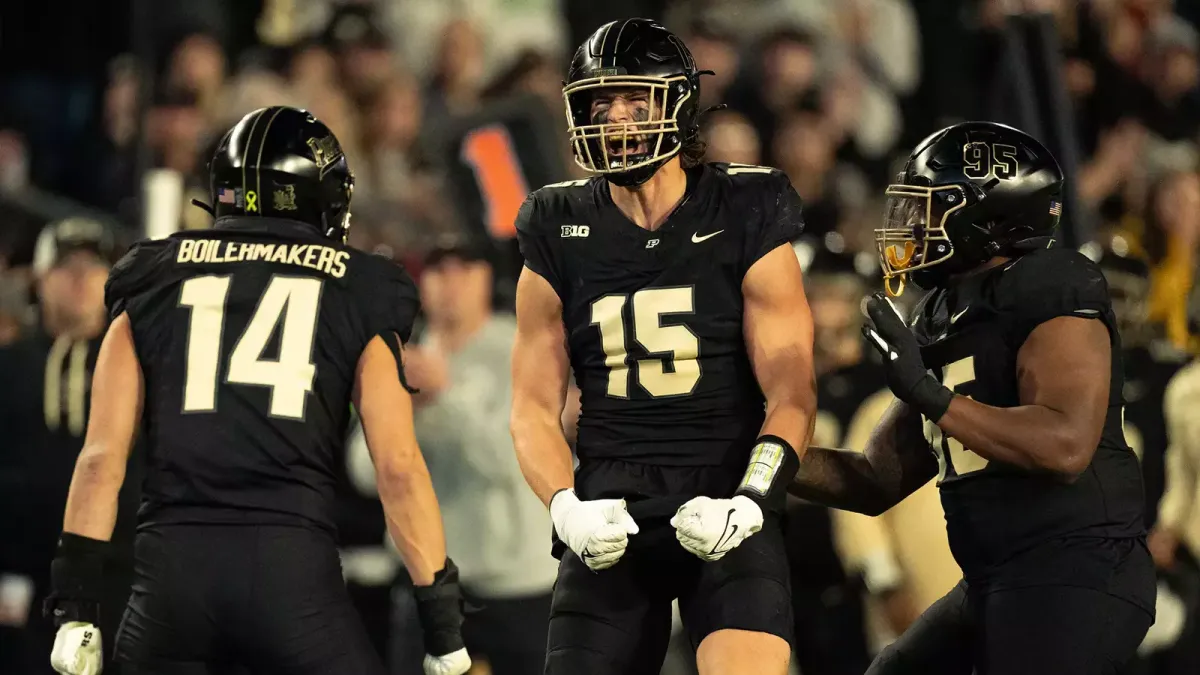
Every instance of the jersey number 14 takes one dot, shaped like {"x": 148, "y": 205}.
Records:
{"x": 294, "y": 300}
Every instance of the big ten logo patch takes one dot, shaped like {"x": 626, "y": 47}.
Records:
{"x": 578, "y": 231}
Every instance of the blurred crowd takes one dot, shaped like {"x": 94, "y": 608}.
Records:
{"x": 106, "y": 134}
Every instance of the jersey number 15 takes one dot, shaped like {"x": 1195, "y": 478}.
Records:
{"x": 678, "y": 342}
{"x": 294, "y": 300}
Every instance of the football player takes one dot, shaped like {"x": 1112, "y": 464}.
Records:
{"x": 670, "y": 289}
{"x": 237, "y": 351}
{"x": 1009, "y": 392}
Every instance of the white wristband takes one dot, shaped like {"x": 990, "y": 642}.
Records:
{"x": 561, "y": 504}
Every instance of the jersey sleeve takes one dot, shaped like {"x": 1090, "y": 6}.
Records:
{"x": 391, "y": 310}
{"x": 132, "y": 275}
{"x": 1050, "y": 283}
{"x": 536, "y": 245}
{"x": 784, "y": 221}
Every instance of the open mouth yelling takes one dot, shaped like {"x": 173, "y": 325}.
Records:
{"x": 625, "y": 145}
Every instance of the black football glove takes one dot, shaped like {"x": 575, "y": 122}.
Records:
{"x": 907, "y": 376}
{"x": 440, "y": 608}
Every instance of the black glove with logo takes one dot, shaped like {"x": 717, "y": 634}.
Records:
{"x": 907, "y": 376}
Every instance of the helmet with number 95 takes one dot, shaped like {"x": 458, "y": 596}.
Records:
{"x": 632, "y": 95}
{"x": 968, "y": 193}
{"x": 282, "y": 162}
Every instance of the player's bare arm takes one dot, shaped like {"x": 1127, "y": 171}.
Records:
{"x": 77, "y": 572}
{"x": 539, "y": 374}
{"x": 117, "y": 390}
{"x": 1063, "y": 373}
{"x": 409, "y": 503}
{"x": 896, "y": 461}
{"x": 779, "y": 340}
{"x": 596, "y": 530}
{"x": 778, "y": 331}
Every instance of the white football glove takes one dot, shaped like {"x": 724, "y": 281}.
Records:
{"x": 710, "y": 528}
{"x": 77, "y": 650}
{"x": 596, "y": 530}
{"x": 454, "y": 663}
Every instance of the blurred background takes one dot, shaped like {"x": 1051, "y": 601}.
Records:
{"x": 451, "y": 112}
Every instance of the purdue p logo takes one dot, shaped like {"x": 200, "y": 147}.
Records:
{"x": 325, "y": 152}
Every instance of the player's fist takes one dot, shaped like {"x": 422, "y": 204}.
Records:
{"x": 77, "y": 650}
{"x": 710, "y": 528}
{"x": 454, "y": 663}
{"x": 596, "y": 530}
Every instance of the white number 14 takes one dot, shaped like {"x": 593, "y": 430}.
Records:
{"x": 295, "y": 300}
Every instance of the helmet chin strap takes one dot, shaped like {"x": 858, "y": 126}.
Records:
{"x": 205, "y": 207}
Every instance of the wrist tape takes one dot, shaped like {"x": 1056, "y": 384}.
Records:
{"x": 76, "y": 580}
{"x": 439, "y": 606}
{"x": 773, "y": 465}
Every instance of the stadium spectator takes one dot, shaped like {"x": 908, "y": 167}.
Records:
{"x": 43, "y": 414}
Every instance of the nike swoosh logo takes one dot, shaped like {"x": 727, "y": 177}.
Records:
{"x": 696, "y": 238}
{"x": 956, "y": 317}
{"x": 730, "y": 530}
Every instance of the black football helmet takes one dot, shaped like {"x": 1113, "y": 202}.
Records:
{"x": 283, "y": 162}
{"x": 648, "y": 64}
{"x": 968, "y": 193}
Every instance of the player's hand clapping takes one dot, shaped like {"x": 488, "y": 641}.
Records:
{"x": 907, "y": 376}
{"x": 596, "y": 530}
{"x": 710, "y": 528}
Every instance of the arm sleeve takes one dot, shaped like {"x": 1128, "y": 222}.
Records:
{"x": 783, "y": 224}
{"x": 1054, "y": 283}
{"x": 535, "y": 244}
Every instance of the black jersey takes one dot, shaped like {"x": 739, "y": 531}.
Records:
{"x": 970, "y": 336}
{"x": 654, "y": 318}
{"x": 248, "y": 337}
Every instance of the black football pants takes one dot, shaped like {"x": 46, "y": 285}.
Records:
{"x": 1039, "y": 630}
{"x": 216, "y": 599}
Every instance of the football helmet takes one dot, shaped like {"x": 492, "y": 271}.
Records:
{"x": 282, "y": 162}
{"x": 967, "y": 193}
{"x": 649, "y": 67}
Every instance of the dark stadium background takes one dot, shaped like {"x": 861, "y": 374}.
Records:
{"x": 450, "y": 112}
